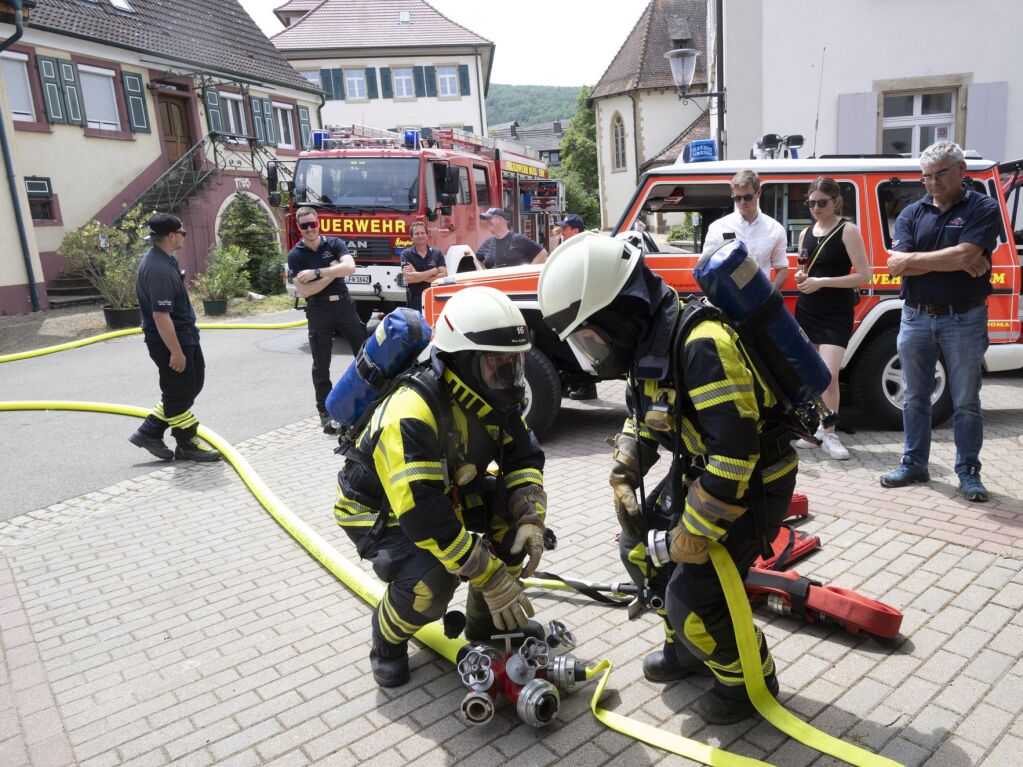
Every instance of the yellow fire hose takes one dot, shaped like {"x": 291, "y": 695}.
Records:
{"x": 135, "y": 331}
{"x": 370, "y": 590}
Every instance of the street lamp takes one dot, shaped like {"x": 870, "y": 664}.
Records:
{"x": 683, "y": 67}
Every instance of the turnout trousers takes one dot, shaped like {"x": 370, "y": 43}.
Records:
{"x": 178, "y": 392}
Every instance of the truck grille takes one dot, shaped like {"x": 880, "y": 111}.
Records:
{"x": 371, "y": 250}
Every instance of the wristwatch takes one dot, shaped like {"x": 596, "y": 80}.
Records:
{"x": 317, "y": 273}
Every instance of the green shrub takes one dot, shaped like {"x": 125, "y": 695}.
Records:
{"x": 108, "y": 256}
{"x": 247, "y": 226}
{"x": 684, "y": 231}
{"x": 225, "y": 275}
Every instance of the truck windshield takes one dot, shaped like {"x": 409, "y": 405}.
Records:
{"x": 366, "y": 183}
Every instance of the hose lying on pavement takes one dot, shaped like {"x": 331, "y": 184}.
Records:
{"x": 370, "y": 589}
{"x": 135, "y": 331}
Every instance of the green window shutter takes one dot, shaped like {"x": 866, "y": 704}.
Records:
{"x": 303, "y": 124}
{"x": 135, "y": 96}
{"x": 268, "y": 122}
{"x": 420, "y": 81}
{"x": 467, "y": 128}
{"x": 326, "y": 84}
{"x": 463, "y": 80}
{"x": 214, "y": 120}
{"x": 72, "y": 90}
{"x": 431, "y": 81}
{"x": 53, "y": 94}
{"x": 371, "y": 83}
{"x": 338, "y": 79}
{"x": 257, "y": 119}
{"x": 385, "y": 83}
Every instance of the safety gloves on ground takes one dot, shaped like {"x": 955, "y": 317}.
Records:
{"x": 507, "y": 602}
{"x": 528, "y": 506}
{"x": 624, "y": 479}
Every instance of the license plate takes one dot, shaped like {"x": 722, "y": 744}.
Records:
{"x": 358, "y": 279}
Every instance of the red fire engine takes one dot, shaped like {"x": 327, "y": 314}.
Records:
{"x": 370, "y": 185}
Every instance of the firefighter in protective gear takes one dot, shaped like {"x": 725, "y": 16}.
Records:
{"x": 415, "y": 496}
{"x": 693, "y": 390}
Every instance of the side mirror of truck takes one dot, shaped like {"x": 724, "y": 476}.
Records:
{"x": 447, "y": 199}
{"x": 274, "y": 198}
{"x": 285, "y": 187}
{"x": 271, "y": 176}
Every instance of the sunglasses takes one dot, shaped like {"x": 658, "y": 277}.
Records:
{"x": 811, "y": 204}
{"x": 743, "y": 197}
{"x": 309, "y": 225}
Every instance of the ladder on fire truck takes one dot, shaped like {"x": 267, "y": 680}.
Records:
{"x": 363, "y": 136}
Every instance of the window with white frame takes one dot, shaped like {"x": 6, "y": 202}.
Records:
{"x": 285, "y": 129}
{"x": 404, "y": 86}
{"x": 447, "y": 81}
{"x": 16, "y": 82}
{"x": 618, "y": 142}
{"x": 355, "y": 84}
{"x": 99, "y": 98}
{"x": 313, "y": 77}
{"x": 912, "y": 121}
{"x": 232, "y": 108}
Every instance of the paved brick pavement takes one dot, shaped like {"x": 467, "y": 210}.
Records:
{"x": 168, "y": 619}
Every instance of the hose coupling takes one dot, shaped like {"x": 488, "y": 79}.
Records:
{"x": 538, "y": 703}
{"x": 477, "y": 708}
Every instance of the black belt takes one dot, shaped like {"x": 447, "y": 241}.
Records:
{"x": 940, "y": 310}
{"x": 320, "y": 298}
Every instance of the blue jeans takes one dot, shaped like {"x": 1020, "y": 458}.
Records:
{"x": 963, "y": 340}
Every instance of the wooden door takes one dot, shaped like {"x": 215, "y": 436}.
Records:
{"x": 174, "y": 125}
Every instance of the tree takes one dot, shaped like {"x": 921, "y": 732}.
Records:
{"x": 579, "y": 144}
{"x": 248, "y": 226}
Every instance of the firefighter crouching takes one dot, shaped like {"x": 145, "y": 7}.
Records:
{"x": 692, "y": 390}
{"x": 415, "y": 496}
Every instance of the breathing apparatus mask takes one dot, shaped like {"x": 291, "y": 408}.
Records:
{"x": 499, "y": 377}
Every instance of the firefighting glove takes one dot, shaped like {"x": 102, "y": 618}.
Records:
{"x": 624, "y": 478}
{"x": 686, "y": 548}
{"x": 707, "y": 513}
{"x": 507, "y": 602}
{"x": 528, "y": 507}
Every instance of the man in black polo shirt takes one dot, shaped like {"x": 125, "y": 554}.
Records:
{"x": 168, "y": 325}
{"x": 420, "y": 265}
{"x": 318, "y": 266}
{"x": 942, "y": 250}
{"x": 504, "y": 247}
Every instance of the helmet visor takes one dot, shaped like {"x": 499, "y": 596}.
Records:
{"x": 501, "y": 371}
{"x": 591, "y": 343}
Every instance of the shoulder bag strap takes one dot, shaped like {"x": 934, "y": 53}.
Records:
{"x": 821, "y": 244}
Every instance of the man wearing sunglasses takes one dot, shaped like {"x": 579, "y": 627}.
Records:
{"x": 172, "y": 338}
{"x": 318, "y": 265}
{"x": 763, "y": 237}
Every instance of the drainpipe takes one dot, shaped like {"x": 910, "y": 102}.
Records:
{"x": 635, "y": 131}
{"x": 12, "y": 183}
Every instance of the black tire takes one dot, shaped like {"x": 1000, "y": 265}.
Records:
{"x": 543, "y": 392}
{"x": 876, "y": 387}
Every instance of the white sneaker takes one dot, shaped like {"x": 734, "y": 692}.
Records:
{"x": 805, "y": 443}
{"x": 833, "y": 448}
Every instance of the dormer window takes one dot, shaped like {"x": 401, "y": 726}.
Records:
{"x": 404, "y": 17}
{"x": 122, "y": 5}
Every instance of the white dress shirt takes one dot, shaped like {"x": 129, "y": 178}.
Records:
{"x": 764, "y": 238}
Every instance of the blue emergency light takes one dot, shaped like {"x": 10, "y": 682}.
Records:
{"x": 412, "y": 139}
{"x": 320, "y": 138}
{"x": 702, "y": 150}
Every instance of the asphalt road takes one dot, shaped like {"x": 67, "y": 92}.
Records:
{"x": 256, "y": 381}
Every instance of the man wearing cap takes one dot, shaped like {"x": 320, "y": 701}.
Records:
{"x": 171, "y": 335}
{"x": 571, "y": 226}
{"x": 505, "y": 247}
{"x": 318, "y": 265}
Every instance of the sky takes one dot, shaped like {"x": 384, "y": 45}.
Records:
{"x": 540, "y": 42}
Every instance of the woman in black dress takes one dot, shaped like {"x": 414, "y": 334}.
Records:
{"x": 832, "y": 267}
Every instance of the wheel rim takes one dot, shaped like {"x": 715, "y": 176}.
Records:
{"x": 527, "y": 399}
{"x": 894, "y": 387}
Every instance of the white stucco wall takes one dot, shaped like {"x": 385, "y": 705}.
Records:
{"x": 449, "y": 111}
{"x": 773, "y": 57}
{"x": 12, "y": 264}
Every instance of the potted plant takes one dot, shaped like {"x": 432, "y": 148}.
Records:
{"x": 108, "y": 257}
{"x": 224, "y": 278}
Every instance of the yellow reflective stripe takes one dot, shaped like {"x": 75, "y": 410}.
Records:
{"x": 392, "y": 615}
{"x": 389, "y": 455}
{"x": 391, "y": 634}
{"x": 730, "y": 468}
{"x": 691, "y": 438}
{"x": 637, "y": 556}
{"x": 780, "y": 469}
{"x": 718, "y": 391}
{"x": 629, "y": 428}
{"x": 696, "y": 633}
{"x": 699, "y": 525}
{"x": 420, "y": 471}
{"x": 449, "y": 557}
{"x": 523, "y": 477}
{"x": 493, "y": 565}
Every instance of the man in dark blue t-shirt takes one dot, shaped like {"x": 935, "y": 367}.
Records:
{"x": 420, "y": 265}
{"x": 318, "y": 265}
{"x": 942, "y": 250}
{"x": 172, "y": 338}
{"x": 505, "y": 247}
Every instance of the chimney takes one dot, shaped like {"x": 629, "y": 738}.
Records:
{"x": 514, "y": 129}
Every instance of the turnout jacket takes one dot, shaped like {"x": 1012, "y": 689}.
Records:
{"x": 726, "y": 410}
{"x": 406, "y": 457}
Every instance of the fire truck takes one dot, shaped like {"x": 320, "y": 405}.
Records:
{"x": 370, "y": 185}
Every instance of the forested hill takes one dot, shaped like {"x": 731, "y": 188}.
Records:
{"x": 530, "y": 104}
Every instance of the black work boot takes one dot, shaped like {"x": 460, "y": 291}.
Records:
{"x": 330, "y": 426}
{"x": 670, "y": 664}
{"x": 389, "y": 663}
{"x": 193, "y": 450}
{"x": 151, "y": 443}
{"x": 728, "y": 705}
